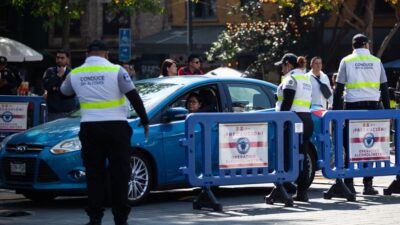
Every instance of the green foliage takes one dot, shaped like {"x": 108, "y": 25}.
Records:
{"x": 153, "y": 6}
{"x": 56, "y": 11}
{"x": 266, "y": 40}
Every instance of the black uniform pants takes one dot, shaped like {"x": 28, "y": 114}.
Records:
{"x": 365, "y": 105}
{"x": 308, "y": 126}
{"x": 102, "y": 142}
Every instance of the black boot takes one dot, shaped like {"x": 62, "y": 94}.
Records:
{"x": 350, "y": 184}
{"x": 301, "y": 196}
{"x": 368, "y": 188}
{"x": 94, "y": 221}
{"x": 290, "y": 188}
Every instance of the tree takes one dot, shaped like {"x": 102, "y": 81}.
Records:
{"x": 61, "y": 12}
{"x": 253, "y": 36}
{"x": 266, "y": 40}
{"x": 361, "y": 20}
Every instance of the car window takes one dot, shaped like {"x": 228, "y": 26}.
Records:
{"x": 209, "y": 98}
{"x": 246, "y": 98}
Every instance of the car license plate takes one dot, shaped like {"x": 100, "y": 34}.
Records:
{"x": 17, "y": 168}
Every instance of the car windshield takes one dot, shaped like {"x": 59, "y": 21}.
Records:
{"x": 151, "y": 92}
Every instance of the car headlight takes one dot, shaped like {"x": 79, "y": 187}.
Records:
{"x": 3, "y": 144}
{"x": 5, "y": 141}
{"x": 65, "y": 146}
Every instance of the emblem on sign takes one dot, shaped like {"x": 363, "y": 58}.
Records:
{"x": 369, "y": 140}
{"x": 7, "y": 116}
{"x": 243, "y": 145}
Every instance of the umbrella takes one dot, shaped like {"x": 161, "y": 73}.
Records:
{"x": 226, "y": 72}
{"x": 15, "y": 51}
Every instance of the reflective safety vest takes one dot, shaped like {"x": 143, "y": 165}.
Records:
{"x": 363, "y": 77}
{"x": 302, "y": 98}
{"x": 96, "y": 85}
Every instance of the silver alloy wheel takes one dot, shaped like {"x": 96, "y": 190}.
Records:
{"x": 139, "y": 181}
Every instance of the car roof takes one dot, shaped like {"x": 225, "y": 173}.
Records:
{"x": 189, "y": 79}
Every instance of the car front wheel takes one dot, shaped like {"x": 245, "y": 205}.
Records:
{"x": 140, "y": 182}
{"x": 309, "y": 166}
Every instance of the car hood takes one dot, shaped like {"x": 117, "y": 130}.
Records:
{"x": 48, "y": 134}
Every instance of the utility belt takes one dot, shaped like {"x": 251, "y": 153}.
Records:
{"x": 362, "y": 105}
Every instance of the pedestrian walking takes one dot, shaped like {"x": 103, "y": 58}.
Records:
{"x": 362, "y": 78}
{"x": 322, "y": 96}
{"x": 168, "y": 68}
{"x": 58, "y": 104}
{"x": 104, "y": 131}
{"x": 193, "y": 66}
{"x": 294, "y": 94}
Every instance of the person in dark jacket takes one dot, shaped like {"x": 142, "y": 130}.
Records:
{"x": 9, "y": 81}
{"x": 58, "y": 105}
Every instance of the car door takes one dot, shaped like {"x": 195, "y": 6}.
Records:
{"x": 175, "y": 130}
{"x": 253, "y": 97}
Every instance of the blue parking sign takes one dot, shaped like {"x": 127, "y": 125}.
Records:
{"x": 124, "y": 44}
{"x": 124, "y": 53}
{"x": 124, "y": 37}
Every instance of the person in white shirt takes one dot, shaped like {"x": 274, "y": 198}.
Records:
{"x": 316, "y": 74}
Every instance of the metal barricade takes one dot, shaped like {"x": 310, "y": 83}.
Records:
{"x": 208, "y": 175}
{"x": 37, "y": 110}
{"x": 332, "y": 142}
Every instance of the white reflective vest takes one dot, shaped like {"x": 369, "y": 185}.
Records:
{"x": 96, "y": 84}
{"x": 363, "y": 77}
{"x": 302, "y": 86}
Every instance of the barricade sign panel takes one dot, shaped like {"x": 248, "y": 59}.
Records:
{"x": 14, "y": 116}
{"x": 369, "y": 140}
{"x": 366, "y": 136}
{"x": 243, "y": 145}
{"x": 241, "y": 148}
{"x": 19, "y": 113}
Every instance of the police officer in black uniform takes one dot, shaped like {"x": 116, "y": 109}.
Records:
{"x": 9, "y": 81}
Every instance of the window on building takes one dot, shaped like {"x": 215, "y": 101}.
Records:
{"x": 204, "y": 9}
{"x": 113, "y": 21}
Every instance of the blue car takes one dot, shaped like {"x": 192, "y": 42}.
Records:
{"x": 44, "y": 162}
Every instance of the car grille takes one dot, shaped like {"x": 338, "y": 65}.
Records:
{"x": 29, "y": 169}
{"x": 25, "y": 148}
{"x": 46, "y": 174}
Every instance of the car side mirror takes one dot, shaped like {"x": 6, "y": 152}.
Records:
{"x": 174, "y": 114}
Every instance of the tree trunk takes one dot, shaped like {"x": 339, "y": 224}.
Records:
{"x": 387, "y": 39}
{"x": 369, "y": 22}
{"x": 65, "y": 25}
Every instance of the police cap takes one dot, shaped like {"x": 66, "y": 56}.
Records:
{"x": 287, "y": 58}
{"x": 97, "y": 45}
{"x": 360, "y": 39}
{"x": 3, "y": 60}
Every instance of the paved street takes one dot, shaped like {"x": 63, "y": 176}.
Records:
{"x": 242, "y": 205}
